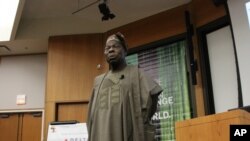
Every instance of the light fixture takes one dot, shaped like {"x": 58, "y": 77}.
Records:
{"x": 248, "y": 12}
{"x": 104, "y": 9}
{"x": 8, "y": 12}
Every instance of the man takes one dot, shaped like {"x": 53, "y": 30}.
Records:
{"x": 123, "y": 99}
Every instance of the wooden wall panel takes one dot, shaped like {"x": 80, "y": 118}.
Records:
{"x": 160, "y": 26}
{"x": 204, "y": 11}
{"x": 210, "y": 128}
{"x": 72, "y": 66}
{"x": 49, "y": 116}
{"x": 72, "y": 111}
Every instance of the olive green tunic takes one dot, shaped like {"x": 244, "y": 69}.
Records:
{"x": 120, "y": 105}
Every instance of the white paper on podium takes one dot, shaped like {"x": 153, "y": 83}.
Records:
{"x": 68, "y": 132}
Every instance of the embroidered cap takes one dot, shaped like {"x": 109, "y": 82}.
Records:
{"x": 119, "y": 38}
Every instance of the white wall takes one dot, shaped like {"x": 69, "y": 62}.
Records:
{"x": 241, "y": 31}
{"x": 22, "y": 75}
{"x": 223, "y": 69}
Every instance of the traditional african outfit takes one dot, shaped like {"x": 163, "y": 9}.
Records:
{"x": 120, "y": 105}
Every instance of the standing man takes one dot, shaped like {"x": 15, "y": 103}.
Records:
{"x": 123, "y": 99}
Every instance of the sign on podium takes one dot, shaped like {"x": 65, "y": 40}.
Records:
{"x": 67, "y": 131}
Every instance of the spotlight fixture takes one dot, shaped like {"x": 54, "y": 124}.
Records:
{"x": 104, "y": 9}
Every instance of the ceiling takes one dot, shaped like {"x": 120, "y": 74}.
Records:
{"x": 38, "y": 19}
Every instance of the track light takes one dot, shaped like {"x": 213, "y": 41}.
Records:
{"x": 104, "y": 9}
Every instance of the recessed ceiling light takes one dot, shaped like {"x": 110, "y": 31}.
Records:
{"x": 8, "y": 10}
{"x": 248, "y": 12}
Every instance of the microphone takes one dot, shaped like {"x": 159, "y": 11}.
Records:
{"x": 122, "y": 77}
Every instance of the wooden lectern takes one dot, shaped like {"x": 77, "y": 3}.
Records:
{"x": 210, "y": 128}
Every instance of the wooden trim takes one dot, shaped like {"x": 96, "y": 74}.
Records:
{"x": 27, "y": 54}
{"x": 22, "y": 111}
{"x": 205, "y": 64}
{"x": 158, "y": 43}
{"x": 57, "y": 104}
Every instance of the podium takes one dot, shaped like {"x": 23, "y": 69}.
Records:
{"x": 210, "y": 128}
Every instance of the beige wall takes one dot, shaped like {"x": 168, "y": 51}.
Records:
{"x": 22, "y": 75}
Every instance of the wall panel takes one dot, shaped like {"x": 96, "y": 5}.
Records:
{"x": 25, "y": 75}
{"x": 72, "y": 62}
{"x": 72, "y": 67}
{"x": 204, "y": 11}
{"x": 49, "y": 116}
{"x": 72, "y": 111}
{"x": 153, "y": 28}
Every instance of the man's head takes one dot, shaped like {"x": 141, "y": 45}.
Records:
{"x": 115, "y": 49}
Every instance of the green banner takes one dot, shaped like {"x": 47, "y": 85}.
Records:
{"x": 167, "y": 66}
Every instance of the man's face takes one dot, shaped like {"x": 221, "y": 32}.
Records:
{"x": 114, "y": 52}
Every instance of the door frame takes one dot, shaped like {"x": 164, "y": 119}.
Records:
{"x": 205, "y": 65}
